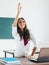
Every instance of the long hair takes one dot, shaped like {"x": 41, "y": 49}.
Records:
{"x": 25, "y": 34}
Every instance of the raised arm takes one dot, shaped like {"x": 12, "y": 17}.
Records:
{"x": 16, "y": 18}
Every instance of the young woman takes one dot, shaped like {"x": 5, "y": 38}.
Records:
{"x": 25, "y": 42}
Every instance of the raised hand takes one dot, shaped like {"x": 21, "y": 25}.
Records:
{"x": 19, "y": 7}
{"x": 16, "y": 18}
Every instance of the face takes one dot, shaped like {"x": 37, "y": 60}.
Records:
{"x": 21, "y": 24}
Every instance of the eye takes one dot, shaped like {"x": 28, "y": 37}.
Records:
{"x": 23, "y": 21}
{"x": 19, "y": 21}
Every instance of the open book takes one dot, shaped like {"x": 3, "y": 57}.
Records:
{"x": 10, "y": 60}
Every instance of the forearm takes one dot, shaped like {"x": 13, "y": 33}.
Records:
{"x": 33, "y": 51}
{"x": 16, "y": 19}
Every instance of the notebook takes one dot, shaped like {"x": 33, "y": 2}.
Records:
{"x": 10, "y": 60}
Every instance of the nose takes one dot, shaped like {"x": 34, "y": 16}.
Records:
{"x": 21, "y": 23}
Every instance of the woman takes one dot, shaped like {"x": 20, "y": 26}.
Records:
{"x": 24, "y": 39}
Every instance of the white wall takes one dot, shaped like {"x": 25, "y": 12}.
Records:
{"x": 36, "y": 14}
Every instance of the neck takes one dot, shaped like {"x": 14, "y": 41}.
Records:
{"x": 22, "y": 30}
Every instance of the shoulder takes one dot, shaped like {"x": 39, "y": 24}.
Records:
{"x": 31, "y": 34}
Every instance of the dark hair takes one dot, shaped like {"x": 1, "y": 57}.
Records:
{"x": 25, "y": 33}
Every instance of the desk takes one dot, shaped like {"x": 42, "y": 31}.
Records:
{"x": 25, "y": 61}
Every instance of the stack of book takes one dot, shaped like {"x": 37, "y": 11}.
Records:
{"x": 10, "y": 61}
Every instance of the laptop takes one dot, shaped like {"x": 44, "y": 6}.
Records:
{"x": 42, "y": 56}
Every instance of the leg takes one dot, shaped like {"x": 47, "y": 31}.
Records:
{"x": 13, "y": 54}
{"x": 5, "y": 54}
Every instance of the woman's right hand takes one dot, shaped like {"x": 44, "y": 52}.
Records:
{"x": 19, "y": 8}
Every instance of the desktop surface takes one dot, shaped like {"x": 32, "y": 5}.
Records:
{"x": 25, "y": 61}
